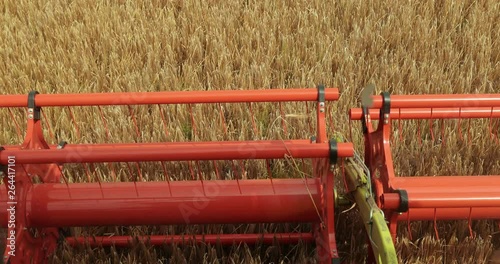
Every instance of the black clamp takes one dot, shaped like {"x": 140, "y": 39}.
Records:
{"x": 403, "y": 201}
{"x": 334, "y": 150}
{"x": 321, "y": 98}
{"x": 385, "y": 110}
{"x": 321, "y": 93}
{"x": 33, "y": 110}
{"x": 61, "y": 144}
{"x": 363, "y": 119}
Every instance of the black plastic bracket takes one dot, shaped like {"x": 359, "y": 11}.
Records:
{"x": 363, "y": 120}
{"x": 61, "y": 144}
{"x": 333, "y": 151}
{"x": 403, "y": 201}
{"x": 321, "y": 93}
{"x": 386, "y": 106}
{"x": 32, "y": 105}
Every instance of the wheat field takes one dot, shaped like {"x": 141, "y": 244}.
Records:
{"x": 403, "y": 47}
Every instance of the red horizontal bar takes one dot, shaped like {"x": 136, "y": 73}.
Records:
{"x": 449, "y": 184}
{"x": 444, "y": 200}
{"x": 446, "y": 214}
{"x": 178, "y": 152}
{"x": 430, "y": 113}
{"x": 223, "y": 239}
{"x": 447, "y": 197}
{"x": 449, "y": 191}
{"x": 169, "y": 203}
{"x": 181, "y": 97}
{"x": 163, "y": 144}
{"x": 440, "y": 100}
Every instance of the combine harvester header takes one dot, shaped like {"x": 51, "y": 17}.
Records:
{"x": 42, "y": 196}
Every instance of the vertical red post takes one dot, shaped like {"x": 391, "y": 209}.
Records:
{"x": 325, "y": 230}
{"x": 26, "y": 247}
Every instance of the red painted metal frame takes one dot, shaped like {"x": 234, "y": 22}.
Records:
{"x": 429, "y": 198}
{"x": 26, "y": 247}
{"x": 48, "y": 206}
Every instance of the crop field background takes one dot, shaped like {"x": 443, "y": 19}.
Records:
{"x": 404, "y": 47}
